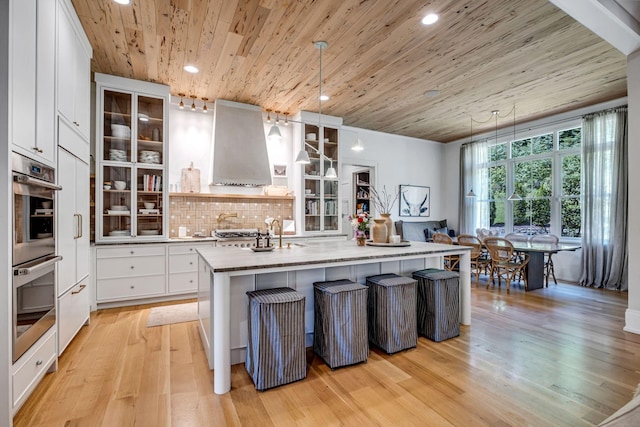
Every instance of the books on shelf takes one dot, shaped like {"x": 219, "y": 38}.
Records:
{"x": 151, "y": 183}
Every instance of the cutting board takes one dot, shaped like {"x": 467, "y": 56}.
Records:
{"x": 190, "y": 180}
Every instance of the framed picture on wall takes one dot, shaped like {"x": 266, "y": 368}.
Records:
{"x": 415, "y": 200}
{"x": 280, "y": 171}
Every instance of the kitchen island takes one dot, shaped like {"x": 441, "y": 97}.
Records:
{"x": 227, "y": 274}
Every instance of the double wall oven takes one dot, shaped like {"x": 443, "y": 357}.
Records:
{"x": 34, "y": 258}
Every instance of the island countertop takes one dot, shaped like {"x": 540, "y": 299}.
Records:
{"x": 227, "y": 273}
{"x": 311, "y": 254}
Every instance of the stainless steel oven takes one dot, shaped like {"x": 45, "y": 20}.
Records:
{"x": 34, "y": 257}
{"x": 33, "y": 209}
{"x": 34, "y": 302}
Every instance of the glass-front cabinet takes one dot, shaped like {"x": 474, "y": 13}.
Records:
{"x": 320, "y": 210}
{"x": 131, "y": 147}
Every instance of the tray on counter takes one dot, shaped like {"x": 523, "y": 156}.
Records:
{"x": 391, "y": 245}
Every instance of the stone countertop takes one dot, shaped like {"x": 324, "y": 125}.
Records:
{"x": 238, "y": 259}
{"x": 285, "y": 237}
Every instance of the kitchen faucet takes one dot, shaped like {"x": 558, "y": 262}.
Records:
{"x": 224, "y": 216}
{"x": 275, "y": 221}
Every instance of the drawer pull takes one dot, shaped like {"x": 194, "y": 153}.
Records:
{"x": 190, "y": 262}
{"x": 38, "y": 150}
{"x": 39, "y": 362}
{"x": 131, "y": 252}
{"x": 132, "y": 267}
{"x": 191, "y": 281}
{"x": 191, "y": 249}
{"x": 79, "y": 290}
{"x": 133, "y": 287}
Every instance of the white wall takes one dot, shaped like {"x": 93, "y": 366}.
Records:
{"x": 400, "y": 160}
{"x": 190, "y": 140}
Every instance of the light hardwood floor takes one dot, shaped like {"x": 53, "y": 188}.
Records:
{"x": 552, "y": 357}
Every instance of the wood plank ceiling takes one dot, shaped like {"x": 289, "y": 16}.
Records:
{"x": 481, "y": 56}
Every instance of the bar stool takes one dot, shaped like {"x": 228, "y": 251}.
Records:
{"x": 276, "y": 339}
{"x": 438, "y": 303}
{"x": 340, "y": 322}
{"x": 392, "y": 312}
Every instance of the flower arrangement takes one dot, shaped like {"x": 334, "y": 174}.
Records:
{"x": 360, "y": 223}
{"x": 383, "y": 201}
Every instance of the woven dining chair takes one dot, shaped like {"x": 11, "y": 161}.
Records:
{"x": 503, "y": 262}
{"x": 450, "y": 261}
{"x": 479, "y": 258}
{"x": 518, "y": 237}
{"x": 548, "y": 261}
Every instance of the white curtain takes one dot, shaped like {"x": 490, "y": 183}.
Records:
{"x": 604, "y": 199}
{"x": 474, "y": 211}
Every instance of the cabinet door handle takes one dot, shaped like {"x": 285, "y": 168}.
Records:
{"x": 76, "y": 123}
{"x": 77, "y": 234}
{"x": 39, "y": 362}
{"x": 132, "y": 267}
{"x": 38, "y": 150}
{"x": 80, "y": 226}
{"x": 79, "y": 290}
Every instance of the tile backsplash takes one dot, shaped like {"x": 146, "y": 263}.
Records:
{"x": 199, "y": 214}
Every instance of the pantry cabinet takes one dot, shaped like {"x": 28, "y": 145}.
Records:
{"x": 73, "y": 70}
{"x": 318, "y": 136}
{"x": 131, "y": 153}
{"x": 73, "y": 245}
{"x": 32, "y": 27}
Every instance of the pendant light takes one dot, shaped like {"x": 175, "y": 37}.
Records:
{"x": 514, "y": 196}
{"x": 331, "y": 172}
{"x": 358, "y": 145}
{"x": 204, "y": 108}
{"x": 193, "y": 102}
{"x": 181, "y": 105}
{"x": 274, "y": 132}
{"x": 471, "y": 193}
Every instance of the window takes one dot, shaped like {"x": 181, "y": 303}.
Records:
{"x": 544, "y": 170}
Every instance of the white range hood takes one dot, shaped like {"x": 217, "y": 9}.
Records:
{"x": 239, "y": 145}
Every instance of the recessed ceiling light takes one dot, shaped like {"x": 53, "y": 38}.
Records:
{"x": 432, "y": 93}
{"x": 431, "y": 18}
{"x": 324, "y": 97}
{"x": 122, "y": 1}
{"x": 191, "y": 69}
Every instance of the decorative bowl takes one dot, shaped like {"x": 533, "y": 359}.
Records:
{"x": 119, "y": 185}
{"x": 148, "y": 205}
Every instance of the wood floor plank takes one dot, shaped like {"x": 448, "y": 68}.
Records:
{"x": 553, "y": 357}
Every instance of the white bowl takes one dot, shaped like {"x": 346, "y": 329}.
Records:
{"x": 311, "y": 136}
{"x": 46, "y": 204}
{"x": 149, "y": 232}
{"x": 148, "y": 205}
{"x": 106, "y": 187}
{"x": 118, "y": 208}
{"x": 119, "y": 185}
{"x": 120, "y": 131}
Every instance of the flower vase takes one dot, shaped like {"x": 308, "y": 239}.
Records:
{"x": 379, "y": 231}
{"x": 360, "y": 240}
{"x": 389, "y": 224}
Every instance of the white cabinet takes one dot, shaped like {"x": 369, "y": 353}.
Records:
{"x": 131, "y": 147}
{"x": 130, "y": 272}
{"x": 73, "y": 313}
{"x": 31, "y": 367}
{"x": 73, "y": 246}
{"x": 319, "y": 211}
{"x": 32, "y": 78}
{"x": 183, "y": 267}
{"x": 73, "y": 70}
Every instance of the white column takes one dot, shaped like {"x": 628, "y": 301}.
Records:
{"x": 221, "y": 333}
{"x": 632, "y": 315}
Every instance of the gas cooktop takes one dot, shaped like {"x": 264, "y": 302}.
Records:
{"x": 237, "y": 233}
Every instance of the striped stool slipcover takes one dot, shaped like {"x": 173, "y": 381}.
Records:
{"x": 392, "y": 312}
{"x": 438, "y": 303}
{"x": 276, "y": 341}
{"x": 340, "y": 322}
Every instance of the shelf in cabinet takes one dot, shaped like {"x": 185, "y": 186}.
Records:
{"x": 149, "y": 143}
{"x": 116, "y": 191}
{"x": 114, "y": 114}
{"x": 151, "y": 193}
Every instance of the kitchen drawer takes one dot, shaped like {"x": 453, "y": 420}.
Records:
{"x": 183, "y": 282}
{"x": 73, "y": 312}
{"x": 111, "y": 268}
{"x": 183, "y": 263}
{"x": 131, "y": 288}
{"x": 30, "y": 370}
{"x": 188, "y": 249}
{"x": 129, "y": 251}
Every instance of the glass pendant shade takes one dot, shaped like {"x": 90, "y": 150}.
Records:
{"x": 303, "y": 158}
{"x": 274, "y": 132}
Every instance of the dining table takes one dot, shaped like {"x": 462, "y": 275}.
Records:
{"x": 537, "y": 251}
